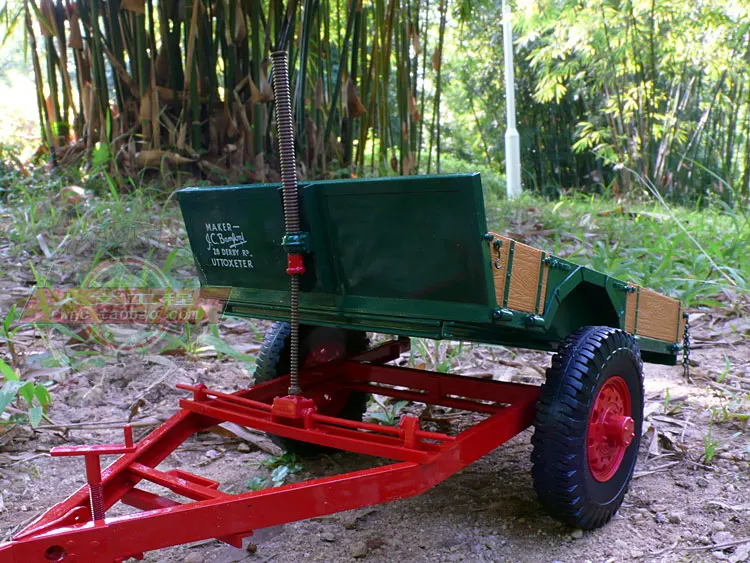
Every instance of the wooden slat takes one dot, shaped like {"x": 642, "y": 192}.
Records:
{"x": 630, "y": 308}
{"x": 543, "y": 295}
{"x": 657, "y": 316}
{"x": 524, "y": 279}
{"x": 647, "y": 313}
{"x": 499, "y": 274}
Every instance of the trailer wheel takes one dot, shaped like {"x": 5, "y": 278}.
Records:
{"x": 588, "y": 426}
{"x": 317, "y": 345}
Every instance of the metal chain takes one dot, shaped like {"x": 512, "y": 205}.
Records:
{"x": 498, "y": 245}
{"x": 686, "y": 350}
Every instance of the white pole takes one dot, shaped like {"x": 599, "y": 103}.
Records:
{"x": 512, "y": 141}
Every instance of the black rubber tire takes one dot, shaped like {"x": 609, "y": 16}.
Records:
{"x": 560, "y": 470}
{"x": 273, "y": 361}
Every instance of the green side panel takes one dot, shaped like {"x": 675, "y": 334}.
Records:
{"x": 414, "y": 238}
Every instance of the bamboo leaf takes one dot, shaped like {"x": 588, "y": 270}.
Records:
{"x": 355, "y": 107}
{"x": 135, "y": 6}
{"x": 7, "y": 372}
{"x": 154, "y": 157}
{"x": 436, "y": 59}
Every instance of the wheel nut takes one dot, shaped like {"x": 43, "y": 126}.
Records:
{"x": 620, "y": 429}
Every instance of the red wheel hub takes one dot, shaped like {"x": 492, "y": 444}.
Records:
{"x": 331, "y": 401}
{"x": 611, "y": 429}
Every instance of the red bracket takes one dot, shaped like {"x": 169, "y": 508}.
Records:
{"x": 93, "y": 468}
{"x": 295, "y": 265}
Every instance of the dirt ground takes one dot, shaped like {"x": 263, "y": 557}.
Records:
{"x": 689, "y": 499}
{"x": 679, "y": 508}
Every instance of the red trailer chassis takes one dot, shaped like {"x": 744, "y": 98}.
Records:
{"x": 78, "y": 530}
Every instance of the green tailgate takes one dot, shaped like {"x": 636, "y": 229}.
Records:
{"x": 400, "y": 247}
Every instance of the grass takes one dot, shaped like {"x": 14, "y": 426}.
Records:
{"x": 640, "y": 242}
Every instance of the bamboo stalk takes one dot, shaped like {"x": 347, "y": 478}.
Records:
{"x": 342, "y": 66}
{"x": 40, "y": 102}
{"x": 437, "y": 61}
{"x": 255, "y": 74}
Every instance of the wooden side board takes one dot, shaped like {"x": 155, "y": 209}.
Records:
{"x": 653, "y": 315}
{"x": 520, "y": 275}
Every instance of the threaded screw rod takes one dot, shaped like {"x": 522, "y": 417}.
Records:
{"x": 280, "y": 68}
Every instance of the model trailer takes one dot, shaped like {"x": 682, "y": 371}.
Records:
{"x": 409, "y": 257}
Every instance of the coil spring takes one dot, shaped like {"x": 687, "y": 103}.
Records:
{"x": 282, "y": 95}
{"x": 96, "y": 496}
{"x": 280, "y": 66}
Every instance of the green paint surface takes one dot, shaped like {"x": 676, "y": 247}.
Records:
{"x": 396, "y": 255}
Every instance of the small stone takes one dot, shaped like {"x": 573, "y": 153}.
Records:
{"x": 358, "y": 549}
{"x": 576, "y": 534}
{"x": 212, "y": 454}
{"x": 448, "y": 543}
{"x": 675, "y": 518}
{"x": 718, "y": 526}
{"x": 659, "y": 518}
{"x": 635, "y": 554}
{"x": 327, "y": 536}
{"x": 194, "y": 558}
{"x": 350, "y": 520}
{"x": 243, "y": 448}
{"x": 701, "y": 482}
{"x": 722, "y": 537}
{"x": 636, "y": 516}
{"x": 621, "y": 545}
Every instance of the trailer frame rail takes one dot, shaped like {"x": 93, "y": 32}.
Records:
{"x": 78, "y": 529}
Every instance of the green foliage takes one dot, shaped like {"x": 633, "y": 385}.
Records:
{"x": 257, "y": 483}
{"x": 727, "y": 368}
{"x": 653, "y": 86}
{"x": 709, "y": 446}
{"x": 390, "y": 411}
{"x": 436, "y": 355}
{"x": 281, "y": 467}
{"x": 9, "y": 327}
{"x": 28, "y": 398}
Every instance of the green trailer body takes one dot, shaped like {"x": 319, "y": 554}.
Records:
{"x": 410, "y": 256}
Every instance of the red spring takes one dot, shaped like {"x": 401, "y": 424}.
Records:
{"x": 295, "y": 265}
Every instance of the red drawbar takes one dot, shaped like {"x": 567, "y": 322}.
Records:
{"x": 295, "y": 265}
{"x": 69, "y": 532}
